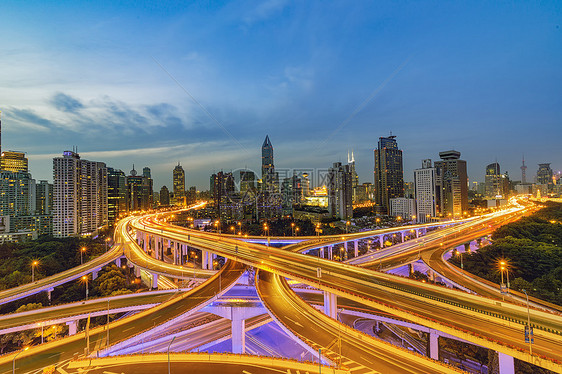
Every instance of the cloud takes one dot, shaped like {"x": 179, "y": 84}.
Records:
{"x": 265, "y": 10}
{"x": 66, "y": 103}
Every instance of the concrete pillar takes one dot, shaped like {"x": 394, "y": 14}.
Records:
{"x": 410, "y": 269}
{"x": 175, "y": 253}
{"x": 238, "y": 331}
{"x": 72, "y": 327}
{"x": 154, "y": 281}
{"x": 205, "y": 260}
{"x": 381, "y": 241}
{"x": 145, "y": 243}
{"x": 434, "y": 345}
{"x": 417, "y": 233}
{"x": 94, "y": 274}
{"x": 321, "y": 252}
{"x": 467, "y": 247}
{"x": 507, "y": 366}
{"x": 431, "y": 275}
{"x": 118, "y": 262}
{"x": 355, "y": 248}
{"x": 479, "y": 242}
{"x": 402, "y": 234}
{"x": 137, "y": 271}
{"x": 49, "y": 290}
{"x": 330, "y": 304}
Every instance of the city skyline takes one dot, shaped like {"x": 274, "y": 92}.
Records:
{"x": 314, "y": 78}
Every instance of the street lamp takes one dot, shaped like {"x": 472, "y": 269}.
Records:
{"x": 292, "y": 229}
{"x": 33, "y": 265}
{"x": 107, "y": 243}
{"x": 82, "y": 251}
{"x": 85, "y": 280}
{"x": 174, "y": 338}
{"x": 505, "y": 266}
{"x": 14, "y": 360}
{"x": 530, "y": 332}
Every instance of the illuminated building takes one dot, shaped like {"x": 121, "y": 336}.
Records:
{"x": 389, "y": 174}
{"x": 164, "y": 196}
{"x": 493, "y": 181}
{"x": 79, "y": 195}
{"x": 403, "y": 207}
{"x": 340, "y": 203}
{"x": 116, "y": 194}
{"x": 14, "y": 161}
{"x": 43, "y": 198}
{"x": 139, "y": 191}
{"x": 451, "y": 185}
{"x": 544, "y": 175}
{"x": 425, "y": 195}
{"x": 179, "y": 185}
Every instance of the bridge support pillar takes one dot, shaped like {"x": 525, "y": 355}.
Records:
{"x": 137, "y": 271}
{"x": 238, "y": 331}
{"x": 49, "y": 291}
{"x": 145, "y": 243}
{"x": 417, "y": 233}
{"x": 467, "y": 247}
{"x": 479, "y": 242}
{"x": 330, "y": 304}
{"x": 321, "y": 252}
{"x": 507, "y": 365}
{"x": 94, "y": 274}
{"x": 72, "y": 327}
{"x": 355, "y": 248}
{"x": 174, "y": 248}
{"x": 381, "y": 241}
{"x": 434, "y": 345}
{"x": 205, "y": 260}
{"x": 154, "y": 281}
{"x": 410, "y": 269}
{"x": 330, "y": 252}
{"x": 402, "y": 236}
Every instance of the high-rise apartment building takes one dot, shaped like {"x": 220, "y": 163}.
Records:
{"x": 43, "y": 198}
{"x": 425, "y": 196}
{"x": 117, "y": 194}
{"x": 389, "y": 174}
{"x": 139, "y": 191}
{"x": 16, "y": 193}
{"x": 14, "y": 161}
{"x": 179, "y": 185}
{"x": 79, "y": 195}
{"x": 451, "y": 185}
{"x": 340, "y": 195}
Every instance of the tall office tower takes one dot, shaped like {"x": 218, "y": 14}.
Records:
{"x": 389, "y": 175}
{"x": 148, "y": 180}
{"x": 179, "y": 185}
{"x": 523, "y": 172}
{"x": 424, "y": 187}
{"x": 340, "y": 196}
{"x": 14, "y": 161}
{"x": 305, "y": 184}
{"x": 164, "y": 196}
{"x": 247, "y": 181}
{"x": 493, "y": 180}
{"x": 544, "y": 174}
{"x": 270, "y": 178}
{"x": 43, "y": 198}
{"x": 79, "y": 195}
{"x": 451, "y": 185}
{"x": 139, "y": 191}
{"x": 191, "y": 195}
{"x": 117, "y": 194}
{"x": 354, "y": 176}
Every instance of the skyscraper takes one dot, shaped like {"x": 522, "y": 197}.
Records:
{"x": 117, "y": 194}
{"x": 164, "y": 196}
{"x": 354, "y": 176}
{"x": 14, "y": 161}
{"x": 79, "y": 195}
{"x": 389, "y": 174}
{"x": 179, "y": 185}
{"x": 139, "y": 191}
{"x": 270, "y": 179}
{"x": 493, "y": 181}
{"x": 340, "y": 204}
{"x": 424, "y": 186}
{"x": 451, "y": 184}
{"x": 544, "y": 174}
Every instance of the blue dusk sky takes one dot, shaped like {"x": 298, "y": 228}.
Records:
{"x": 202, "y": 83}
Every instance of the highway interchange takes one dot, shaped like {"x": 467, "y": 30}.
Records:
{"x": 481, "y": 320}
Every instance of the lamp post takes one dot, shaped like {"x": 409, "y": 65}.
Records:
{"x": 107, "y": 243}
{"x": 292, "y": 229}
{"x": 14, "y": 360}
{"x": 85, "y": 280}
{"x": 174, "y": 338}
{"x": 529, "y": 324}
{"x": 33, "y": 265}
{"x": 506, "y": 268}
{"x": 82, "y": 251}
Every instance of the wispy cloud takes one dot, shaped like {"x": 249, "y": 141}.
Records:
{"x": 66, "y": 103}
